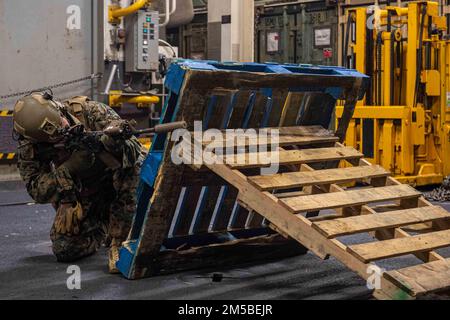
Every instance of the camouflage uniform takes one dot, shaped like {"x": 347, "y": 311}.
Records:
{"x": 107, "y": 196}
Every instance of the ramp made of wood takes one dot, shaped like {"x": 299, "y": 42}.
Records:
{"x": 347, "y": 191}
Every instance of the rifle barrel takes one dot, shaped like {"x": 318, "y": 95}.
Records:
{"x": 163, "y": 128}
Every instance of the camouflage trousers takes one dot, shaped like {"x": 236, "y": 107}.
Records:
{"x": 110, "y": 212}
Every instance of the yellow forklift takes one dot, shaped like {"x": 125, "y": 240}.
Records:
{"x": 403, "y": 123}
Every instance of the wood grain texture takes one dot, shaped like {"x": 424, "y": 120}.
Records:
{"x": 349, "y": 198}
{"x": 248, "y": 160}
{"x": 366, "y": 223}
{"x": 424, "y": 278}
{"x": 319, "y": 177}
{"x": 258, "y": 139}
{"x": 372, "y": 251}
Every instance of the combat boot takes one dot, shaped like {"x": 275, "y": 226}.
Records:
{"x": 114, "y": 256}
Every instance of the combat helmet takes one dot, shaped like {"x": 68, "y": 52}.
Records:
{"x": 38, "y": 118}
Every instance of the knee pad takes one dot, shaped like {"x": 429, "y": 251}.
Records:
{"x": 72, "y": 249}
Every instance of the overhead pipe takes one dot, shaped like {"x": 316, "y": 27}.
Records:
{"x": 181, "y": 13}
{"x": 115, "y": 12}
{"x": 174, "y": 7}
{"x": 167, "y": 15}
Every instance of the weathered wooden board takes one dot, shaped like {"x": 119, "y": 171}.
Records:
{"x": 313, "y": 131}
{"x": 168, "y": 186}
{"x": 278, "y": 101}
{"x": 291, "y": 108}
{"x": 319, "y": 177}
{"x": 192, "y": 213}
{"x": 379, "y": 250}
{"x": 423, "y": 278}
{"x": 253, "y": 140}
{"x": 290, "y": 157}
{"x": 247, "y": 80}
{"x": 229, "y": 254}
{"x": 255, "y": 120}
{"x": 244, "y": 107}
{"x": 349, "y": 198}
{"x": 366, "y": 223}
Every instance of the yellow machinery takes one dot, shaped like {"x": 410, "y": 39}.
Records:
{"x": 117, "y": 97}
{"x": 403, "y": 123}
{"x": 115, "y": 12}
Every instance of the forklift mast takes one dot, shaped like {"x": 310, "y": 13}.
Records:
{"x": 403, "y": 123}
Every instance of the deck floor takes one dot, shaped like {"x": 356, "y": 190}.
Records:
{"x": 28, "y": 269}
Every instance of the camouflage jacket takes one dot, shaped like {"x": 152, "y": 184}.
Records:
{"x": 39, "y": 164}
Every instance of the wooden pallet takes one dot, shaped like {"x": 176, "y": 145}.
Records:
{"x": 190, "y": 220}
{"x": 313, "y": 179}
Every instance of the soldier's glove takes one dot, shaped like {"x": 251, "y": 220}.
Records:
{"x": 69, "y": 217}
{"x": 120, "y": 129}
{"x": 110, "y": 143}
{"x": 79, "y": 162}
{"x": 115, "y": 135}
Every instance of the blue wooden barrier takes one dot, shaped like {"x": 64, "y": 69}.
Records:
{"x": 181, "y": 212}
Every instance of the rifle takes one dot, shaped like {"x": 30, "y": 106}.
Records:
{"x": 77, "y": 138}
{"x": 127, "y": 129}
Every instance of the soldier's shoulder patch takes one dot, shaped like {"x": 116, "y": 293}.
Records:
{"x": 26, "y": 151}
{"x": 104, "y": 111}
{"x": 96, "y": 107}
{"x": 77, "y": 104}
